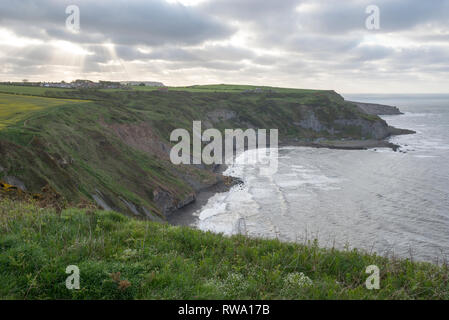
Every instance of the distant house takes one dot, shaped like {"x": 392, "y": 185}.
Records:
{"x": 83, "y": 84}
{"x": 110, "y": 85}
{"x": 145, "y": 83}
{"x": 88, "y": 84}
{"x": 55, "y": 85}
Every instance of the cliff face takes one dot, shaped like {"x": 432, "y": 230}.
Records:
{"x": 377, "y": 109}
{"x": 378, "y": 129}
{"x": 115, "y": 149}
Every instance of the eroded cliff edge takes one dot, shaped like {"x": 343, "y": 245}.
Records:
{"x": 114, "y": 151}
{"x": 377, "y": 109}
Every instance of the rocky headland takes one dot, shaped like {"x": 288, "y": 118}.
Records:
{"x": 114, "y": 150}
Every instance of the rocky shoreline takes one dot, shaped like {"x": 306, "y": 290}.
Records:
{"x": 344, "y": 144}
{"x": 184, "y": 215}
{"x": 351, "y": 144}
{"x": 128, "y": 156}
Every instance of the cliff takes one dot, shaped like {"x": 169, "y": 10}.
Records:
{"x": 377, "y": 109}
{"x": 112, "y": 147}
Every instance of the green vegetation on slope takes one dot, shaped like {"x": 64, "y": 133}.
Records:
{"x": 29, "y": 90}
{"x": 114, "y": 144}
{"x": 16, "y": 108}
{"x": 69, "y": 148}
{"x": 123, "y": 258}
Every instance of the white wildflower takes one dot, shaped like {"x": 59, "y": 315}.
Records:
{"x": 298, "y": 280}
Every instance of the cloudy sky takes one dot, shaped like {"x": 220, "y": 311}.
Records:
{"x": 290, "y": 43}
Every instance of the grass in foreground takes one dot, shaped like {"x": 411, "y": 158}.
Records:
{"x": 123, "y": 258}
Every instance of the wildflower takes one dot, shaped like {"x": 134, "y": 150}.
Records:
{"x": 298, "y": 280}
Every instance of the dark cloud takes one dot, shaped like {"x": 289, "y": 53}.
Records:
{"x": 316, "y": 43}
{"x": 250, "y": 10}
{"x": 332, "y": 17}
{"x": 152, "y": 22}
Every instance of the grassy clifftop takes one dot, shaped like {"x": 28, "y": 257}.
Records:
{"x": 112, "y": 146}
{"x": 124, "y": 258}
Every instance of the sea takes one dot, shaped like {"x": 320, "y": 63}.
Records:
{"x": 395, "y": 204}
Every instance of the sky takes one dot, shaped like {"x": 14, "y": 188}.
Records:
{"x": 320, "y": 44}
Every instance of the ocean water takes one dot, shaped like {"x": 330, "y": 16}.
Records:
{"x": 391, "y": 203}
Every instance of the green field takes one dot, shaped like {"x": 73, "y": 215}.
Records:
{"x": 230, "y": 88}
{"x": 124, "y": 258}
{"x": 17, "y": 108}
{"x": 29, "y": 90}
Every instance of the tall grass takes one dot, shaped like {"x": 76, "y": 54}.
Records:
{"x": 123, "y": 258}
